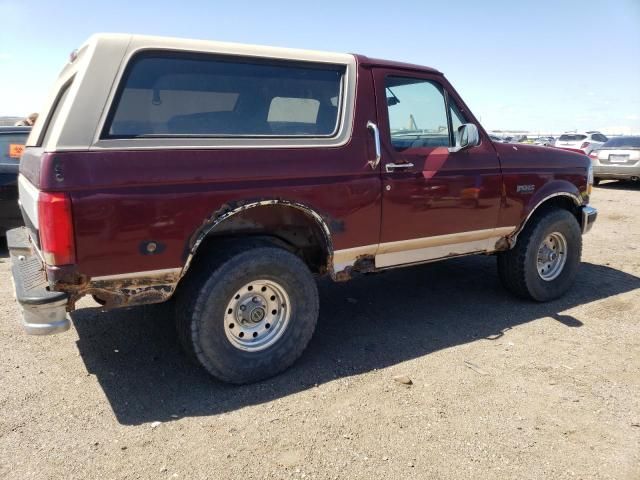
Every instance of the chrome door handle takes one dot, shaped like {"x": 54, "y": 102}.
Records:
{"x": 392, "y": 167}
{"x": 376, "y": 139}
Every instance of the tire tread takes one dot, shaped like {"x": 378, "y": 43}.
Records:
{"x": 194, "y": 295}
{"x": 513, "y": 269}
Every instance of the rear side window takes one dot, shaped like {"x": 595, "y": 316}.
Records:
{"x": 598, "y": 137}
{"x": 166, "y": 95}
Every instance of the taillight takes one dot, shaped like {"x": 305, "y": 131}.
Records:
{"x": 593, "y": 154}
{"x": 585, "y": 145}
{"x": 56, "y": 228}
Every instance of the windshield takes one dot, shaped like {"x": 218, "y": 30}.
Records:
{"x": 623, "y": 142}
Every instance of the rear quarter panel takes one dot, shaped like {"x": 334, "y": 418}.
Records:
{"x": 122, "y": 199}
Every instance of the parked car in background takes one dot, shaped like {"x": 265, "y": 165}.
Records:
{"x": 619, "y": 158}
{"x": 12, "y": 141}
{"x": 545, "y": 141}
{"x": 586, "y": 141}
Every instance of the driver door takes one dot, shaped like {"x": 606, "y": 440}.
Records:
{"x": 435, "y": 203}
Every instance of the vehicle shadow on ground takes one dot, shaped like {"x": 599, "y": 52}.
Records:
{"x": 619, "y": 185}
{"x": 369, "y": 323}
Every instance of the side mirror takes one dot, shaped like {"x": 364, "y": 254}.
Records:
{"x": 467, "y": 136}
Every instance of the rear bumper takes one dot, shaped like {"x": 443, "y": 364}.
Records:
{"x": 43, "y": 312}
{"x": 623, "y": 172}
{"x": 589, "y": 215}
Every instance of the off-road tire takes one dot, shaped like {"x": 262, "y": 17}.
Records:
{"x": 204, "y": 296}
{"x": 517, "y": 268}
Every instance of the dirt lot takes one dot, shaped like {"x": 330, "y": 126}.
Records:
{"x": 501, "y": 388}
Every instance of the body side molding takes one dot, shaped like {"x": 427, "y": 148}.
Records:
{"x": 419, "y": 250}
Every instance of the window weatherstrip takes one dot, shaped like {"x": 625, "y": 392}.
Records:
{"x": 54, "y": 110}
{"x": 452, "y": 137}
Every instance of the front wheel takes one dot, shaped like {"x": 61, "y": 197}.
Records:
{"x": 544, "y": 262}
{"x": 251, "y": 317}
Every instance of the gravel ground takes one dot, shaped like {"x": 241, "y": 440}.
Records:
{"x": 501, "y": 388}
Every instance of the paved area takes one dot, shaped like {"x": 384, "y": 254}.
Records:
{"x": 501, "y": 388}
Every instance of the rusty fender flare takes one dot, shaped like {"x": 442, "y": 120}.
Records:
{"x": 230, "y": 209}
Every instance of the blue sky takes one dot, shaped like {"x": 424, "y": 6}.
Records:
{"x": 535, "y": 65}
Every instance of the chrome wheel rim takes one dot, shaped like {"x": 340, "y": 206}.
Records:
{"x": 552, "y": 256}
{"x": 257, "y": 315}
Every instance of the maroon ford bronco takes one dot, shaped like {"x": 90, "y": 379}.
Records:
{"x": 226, "y": 177}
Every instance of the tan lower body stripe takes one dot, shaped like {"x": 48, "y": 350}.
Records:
{"x": 423, "y": 249}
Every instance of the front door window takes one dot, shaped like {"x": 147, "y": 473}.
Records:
{"x": 417, "y": 113}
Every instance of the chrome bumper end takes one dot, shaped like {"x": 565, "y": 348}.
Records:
{"x": 589, "y": 215}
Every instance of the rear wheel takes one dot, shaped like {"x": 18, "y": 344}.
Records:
{"x": 544, "y": 262}
{"x": 248, "y": 316}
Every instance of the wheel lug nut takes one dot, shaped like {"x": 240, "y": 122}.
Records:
{"x": 243, "y": 308}
{"x": 255, "y": 299}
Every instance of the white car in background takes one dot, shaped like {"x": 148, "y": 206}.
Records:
{"x": 545, "y": 141}
{"x": 587, "y": 141}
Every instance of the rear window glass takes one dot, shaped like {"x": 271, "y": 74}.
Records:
{"x": 623, "y": 142}
{"x": 572, "y": 138}
{"x": 176, "y": 95}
